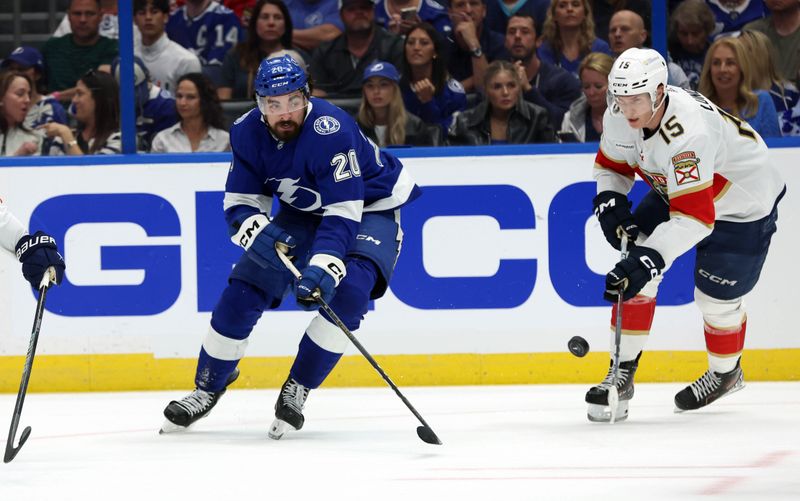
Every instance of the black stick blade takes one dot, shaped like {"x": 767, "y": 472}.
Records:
{"x": 11, "y": 451}
{"x": 428, "y": 436}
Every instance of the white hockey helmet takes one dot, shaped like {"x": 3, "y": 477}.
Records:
{"x": 636, "y": 71}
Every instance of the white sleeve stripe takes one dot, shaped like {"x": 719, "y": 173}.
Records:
{"x": 260, "y": 202}
{"x": 224, "y": 348}
{"x": 350, "y": 209}
{"x": 400, "y": 193}
{"x": 326, "y": 335}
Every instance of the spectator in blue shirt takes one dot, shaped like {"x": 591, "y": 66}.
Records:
{"x": 569, "y": 35}
{"x": 314, "y": 22}
{"x": 428, "y": 91}
{"x": 498, "y": 12}
{"x": 723, "y": 81}
{"x": 544, "y": 84}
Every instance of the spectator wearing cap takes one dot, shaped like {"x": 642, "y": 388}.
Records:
{"x": 165, "y": 59}
{"x": 269, "y": 31}
{"x": 400, "y": 16}
{"x": 473, "y": 46}
{"x": 314, "y": 22}
{"x": 43, "y": 108}
{"x": 382, "y": 115}
{"x": 428, "y": 90}
{"x": 155, "y": 108}
{"x": 545, "y": 84}
{"x": 200, "y": 127}
{"x": 69, "y": 57}
{"x": 338, "y": 66}
{"x": 626, "y": 30}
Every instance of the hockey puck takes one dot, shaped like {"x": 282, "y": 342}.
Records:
{"x": 578, "y": 346}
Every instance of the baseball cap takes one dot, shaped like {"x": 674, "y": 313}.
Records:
{"x": 381, "y": 69}
{"x": 25, "y": 56}
{"x": 345, "y": 3}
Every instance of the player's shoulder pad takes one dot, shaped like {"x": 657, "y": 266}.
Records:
{"x": 242, "y": 126}
{"x": 455, "y": 86}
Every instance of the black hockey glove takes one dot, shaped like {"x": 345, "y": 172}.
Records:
{"x": 632, "y": 273}
{"x": 613, "y": 210}
{"x": 37, "y": 253}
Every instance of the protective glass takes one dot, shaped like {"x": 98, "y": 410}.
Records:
{"x": 281, "y": 105}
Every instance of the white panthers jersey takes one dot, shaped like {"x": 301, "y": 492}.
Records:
{"x": 705, "y": 164}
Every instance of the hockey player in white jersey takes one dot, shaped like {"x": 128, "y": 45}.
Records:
{"x": 37, "y": 252}
{"x": 712, "y": 188}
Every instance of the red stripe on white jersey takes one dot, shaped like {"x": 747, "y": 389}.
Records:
{"x": 618, "y": 166}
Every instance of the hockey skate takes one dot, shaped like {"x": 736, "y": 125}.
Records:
{"x": 710, "y": 387}
{"x": 597, "y": 396}
{"x": 183, "y": 413}
{"x": 289, "y": 409}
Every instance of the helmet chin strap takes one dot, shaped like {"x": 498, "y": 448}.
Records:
{"x": 655, "y": 107}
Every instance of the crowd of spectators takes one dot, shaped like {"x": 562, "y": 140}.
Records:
{"x": 412, "y": 72}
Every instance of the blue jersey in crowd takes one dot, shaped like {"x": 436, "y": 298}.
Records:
{"x": 210, "y": 35}
{"x": 157, "y": 113}
{"x": 45, "y": 111}
{"x": 440, "y": 109}
{"x": 730, "y": 20}
{"x": 331, "y": 169}
{"x": 428, "y": 11}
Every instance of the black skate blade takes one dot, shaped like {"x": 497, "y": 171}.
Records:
{"x": 427, "y": 435}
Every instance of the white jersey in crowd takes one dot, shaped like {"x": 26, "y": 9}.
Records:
{"x": 11, "y": 230}
{"x": 167, "y": 62}
{"x": 706, "y": 164}
{"x": 14, "y": 137}
{"x": 174, "y": 140}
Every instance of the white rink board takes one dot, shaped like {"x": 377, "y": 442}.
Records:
{"x": 459, "y": 246}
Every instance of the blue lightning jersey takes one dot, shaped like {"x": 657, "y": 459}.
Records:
{"x": 330, "y": 170}
{"x": 210, "y": 35}
{"x": 428, "y": 11}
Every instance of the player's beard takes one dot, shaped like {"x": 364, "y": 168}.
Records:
{"x": 285, "y": 134}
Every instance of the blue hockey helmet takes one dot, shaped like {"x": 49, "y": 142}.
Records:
{"x": 280, "y": 75}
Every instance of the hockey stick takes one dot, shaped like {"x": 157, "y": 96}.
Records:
{"x": 425, "y": 432}
{"x": 11, "y": 451}
{"x": 613, "y": 394}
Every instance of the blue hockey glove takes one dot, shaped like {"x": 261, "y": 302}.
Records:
{"x": 613, "y": 210}
{"x": 323, "y": 273}
{"x": 258, "y": 237}
{"x": 37, "y": 253}
{"x": 632, "y": 273}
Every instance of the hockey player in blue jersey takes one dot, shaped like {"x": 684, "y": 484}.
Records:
{"x": 339, "y": 199}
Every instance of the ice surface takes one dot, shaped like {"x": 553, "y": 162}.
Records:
{"x": 500, "y": 443}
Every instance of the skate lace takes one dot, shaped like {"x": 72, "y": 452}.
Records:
{"x": 294, "y": 395}
{"x": 608, "y": 382}
{"x": 707, "y": 384}
{"x": 196, "y": 401}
